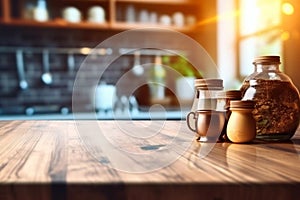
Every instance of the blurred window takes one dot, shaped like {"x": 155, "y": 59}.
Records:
{"x": 260, "y": 31}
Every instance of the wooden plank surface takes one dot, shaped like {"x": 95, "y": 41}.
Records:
{"x": 116, "y": 159}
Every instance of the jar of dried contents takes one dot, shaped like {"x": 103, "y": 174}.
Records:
{"x": 277, "y": 104}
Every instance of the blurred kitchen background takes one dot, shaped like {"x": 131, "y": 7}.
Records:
{"x": 43, "y": 44}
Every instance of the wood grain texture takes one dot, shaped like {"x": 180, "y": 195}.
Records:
{"x": 52, "y": 160}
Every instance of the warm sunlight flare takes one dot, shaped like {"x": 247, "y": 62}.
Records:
{"x": 285, "y": 36}
{"x": 287, "y": 8}
{"x": 85, "y": 50}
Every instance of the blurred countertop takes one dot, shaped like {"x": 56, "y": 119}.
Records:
{"x": 137, "y": 115}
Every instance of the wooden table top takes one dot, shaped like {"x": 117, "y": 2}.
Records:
{"x": 139, "y": 160}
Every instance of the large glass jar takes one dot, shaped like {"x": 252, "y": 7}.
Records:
{"x": 277, "y": 105}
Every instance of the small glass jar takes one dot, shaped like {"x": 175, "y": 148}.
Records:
{"x": 277, "y": 103}
{"x": 206, "y": 97}
{"x": 224, "y": 98}
{"x": 223, "y": 104}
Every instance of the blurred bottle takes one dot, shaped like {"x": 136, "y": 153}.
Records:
{"x": 40, "y": 12}
{"x": 130, "y": 14}
{"x": 158, "y": 79}
{"x": 28, "y": 10}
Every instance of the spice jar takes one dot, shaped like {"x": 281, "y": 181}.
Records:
{"x": 223, "y": 103}
{"x": 241, "y": 127}
{"x": 277, "y": 107}
{"x": 205, "y": 99}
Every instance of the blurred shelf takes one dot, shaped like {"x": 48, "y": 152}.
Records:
{"x": 169, "y": 2}
{"x": 90, "y": 1}
{"x": 137, "y": 1}
{"x": 58, "y": 23}
{"x": 127, "y": 26}
{"x": 154, "y": 115}
{"x": 117, "y": 26}
{"x": 11, "y": 14}
{"x": 58, "y": 50}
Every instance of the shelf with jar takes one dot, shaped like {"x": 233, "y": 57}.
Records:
{"x": 178, "y": 15}
{"x": 168, "y": 2}
{"x": 56, "y": 14}
{"x": 58, "y": 23}
{"x": 118, "y": 15}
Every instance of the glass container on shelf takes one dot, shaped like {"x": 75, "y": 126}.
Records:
{"x": 277, "y": 103}
{"x": 158, "y": 79}
{"x": 40, "y": 13}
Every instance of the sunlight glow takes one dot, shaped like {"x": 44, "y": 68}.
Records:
{"x": 285, "y": 36}
{"x": 85, "y": 50}
{"x": 287, "y": 8}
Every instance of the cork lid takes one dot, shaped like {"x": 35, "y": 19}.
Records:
{"x": 209, "y": 83}
{"x": 234, "y": 94}
{"x": 230, "y": 94}
{"x": 267, "y": 60}
{"x": 242, "y": 104}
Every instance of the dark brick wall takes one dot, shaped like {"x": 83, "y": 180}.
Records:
{"x": 48, "y": 98}
{"x": 51, "y": 98}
